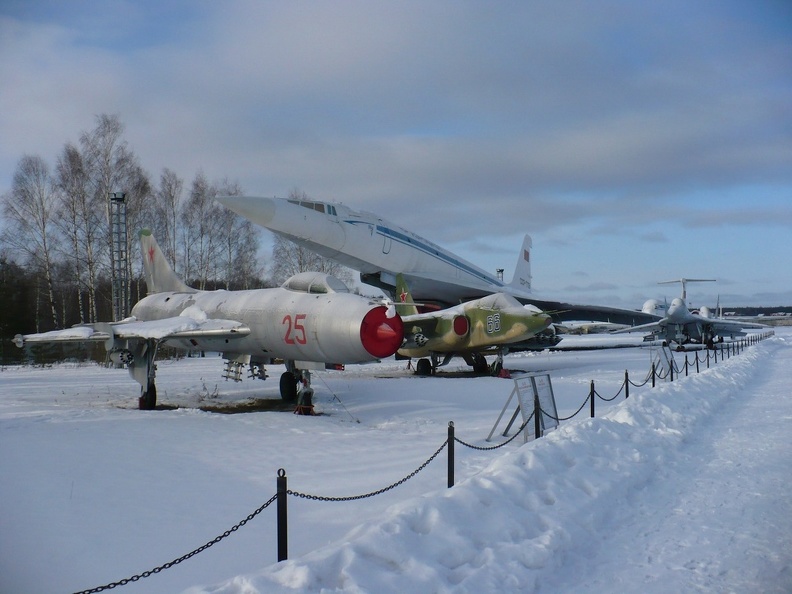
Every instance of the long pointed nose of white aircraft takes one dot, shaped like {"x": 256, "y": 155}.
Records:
{"x": 259, "y": 210}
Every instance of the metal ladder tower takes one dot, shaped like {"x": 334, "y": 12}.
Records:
{"x": 120, "y": 265}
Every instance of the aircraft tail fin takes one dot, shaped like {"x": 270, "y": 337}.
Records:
{"x": 160, "y": 277}
{"x": 522, "y": 271}
{"x": 404, "y": 300}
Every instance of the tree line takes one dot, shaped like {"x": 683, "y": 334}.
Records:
{"x": 56, "y": 254}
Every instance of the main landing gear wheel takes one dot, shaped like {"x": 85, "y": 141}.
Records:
{"x": 480, "y": 365}
{"x": 423, "y": 367}
{"x": 148, "y": 399}
{"x": 288, "y": 386}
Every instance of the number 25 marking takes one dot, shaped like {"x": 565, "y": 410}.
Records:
{"x": 295, "y": 330}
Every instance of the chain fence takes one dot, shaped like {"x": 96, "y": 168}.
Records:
{"x": 189, "y": 555}
{"x": 279, "y": 497}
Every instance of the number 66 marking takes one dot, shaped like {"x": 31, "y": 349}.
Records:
{"x": 295, "y": 330}
{"x": 493, "y": 323}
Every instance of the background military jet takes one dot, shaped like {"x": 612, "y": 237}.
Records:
{"x": 681, "y": 326}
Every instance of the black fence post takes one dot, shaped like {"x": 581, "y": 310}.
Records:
{"x": 283, "y": 538}
{"x": 671, "y": 369}
{"x": 537, "y": 420}
{"x": 450, "y": 454}
{"x": 653, "y": 374}
{"x": 697, "y": 363}
{"x": 626, "y": 385}
{"x": 592, "y": 396}
{"x": 686, "y": 363}
{"x": 708, "y": 358}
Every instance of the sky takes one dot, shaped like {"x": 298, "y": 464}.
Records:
{"x": 635, "y": 142}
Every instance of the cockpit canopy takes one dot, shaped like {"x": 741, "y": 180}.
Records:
{"x": 317, "y": 206}
{"x": 317, "y": 283}
{"x": 499, "y": 301}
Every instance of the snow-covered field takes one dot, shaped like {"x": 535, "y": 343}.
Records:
{"x": 680, "y": 488}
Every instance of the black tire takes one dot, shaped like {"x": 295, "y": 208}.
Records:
{"x": 148, "y": 400}
{"x": 423, "y": 367}
{"x": 480, "y": 365}
{"x": 288, "y": 387}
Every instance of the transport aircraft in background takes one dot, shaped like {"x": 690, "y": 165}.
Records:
{"x": 682, "y": 326}
{"x": 380, "y": 250}
{"x": 312, "y": 321}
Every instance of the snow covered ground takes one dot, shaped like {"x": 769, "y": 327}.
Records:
{"x": 683, "y": 488}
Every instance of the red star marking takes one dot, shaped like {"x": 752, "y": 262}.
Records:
{"x": 151, "y": 254}
{"x": 403, "y": 296}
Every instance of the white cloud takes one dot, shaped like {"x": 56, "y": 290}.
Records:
{"x": 461, "y": 121}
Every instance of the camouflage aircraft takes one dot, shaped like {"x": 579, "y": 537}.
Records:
{"x": 487, "y": 324}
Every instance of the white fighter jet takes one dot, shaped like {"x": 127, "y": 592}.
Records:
{"x": 681, "y": 326}
{"x": 380, "y": 250}
{"x": 310, "y": 322}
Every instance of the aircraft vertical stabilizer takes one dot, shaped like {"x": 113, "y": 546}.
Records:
{"x": 404, "y": 301}
{"x": 160, "y": 277}
{"x": 521, "y": 280}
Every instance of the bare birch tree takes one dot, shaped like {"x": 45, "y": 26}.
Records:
{"x": 80, "y": 223}
{"x": 239, "y": 244}
{"x": 112, "y": 167}
{"x": 167, "y": 208}
{"x": 30, "y": 208}
{"x": 201, "y": 217}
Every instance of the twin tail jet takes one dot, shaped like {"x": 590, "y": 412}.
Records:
{"x": 681, "y": 326}
{"x": 310, "y": 322}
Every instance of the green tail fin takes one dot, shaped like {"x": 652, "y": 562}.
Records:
{"x": 404, "y": 301}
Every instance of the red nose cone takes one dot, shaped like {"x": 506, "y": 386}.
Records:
{"x": 380, "y": 335}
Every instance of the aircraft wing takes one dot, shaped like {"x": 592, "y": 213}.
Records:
{"x": 727, "y": 326}
{"x": 175, "y": 327}
{"x": 650, "y": 327}
{"x": 75, "y": 334}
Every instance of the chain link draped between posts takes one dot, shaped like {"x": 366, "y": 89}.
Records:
{"x": 373, "y": 493}
{"x": 500, "y": 445}
{"x": 211, "y": 543}
{"x": 643, "y": 383}
{"x": 612, "y": 398}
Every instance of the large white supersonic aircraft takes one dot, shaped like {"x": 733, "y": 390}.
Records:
{"x": 380, "y": 250}
{"x": 309, "y": 322}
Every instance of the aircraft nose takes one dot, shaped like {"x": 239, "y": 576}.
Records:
{"x": 380, "y": 335}
{"x": 259, "y": 210}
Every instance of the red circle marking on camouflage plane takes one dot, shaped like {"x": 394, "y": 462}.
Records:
{"x": 461, "y": 325}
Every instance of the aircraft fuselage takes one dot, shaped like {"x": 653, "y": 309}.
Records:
{"x": 284, "y": 324}
{"x": 377, "y": 248}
